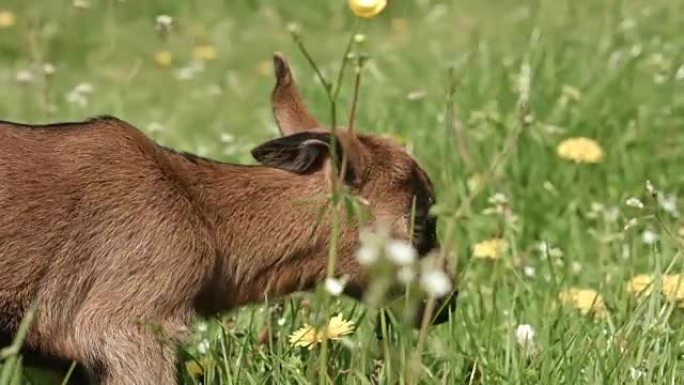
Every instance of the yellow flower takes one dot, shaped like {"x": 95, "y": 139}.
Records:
{"x": 7, "y": 19}
{"x": 580, "y": 150}
{"x": 672, "y": 287}
{"x": 196, "y": 368}
{"x": 367, "y": 8}
{"x": 585, "y": 300}
{"x": 489, "y": 249}
{"x": 308, "y": 336}
{"x": 163, "y": 58}
{"x": 205, "y": 52}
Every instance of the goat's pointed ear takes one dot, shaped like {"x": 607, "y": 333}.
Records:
{"x": 301, "y": 153}
{"x": 289, "y": 108}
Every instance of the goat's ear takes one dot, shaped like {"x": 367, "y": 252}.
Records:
{"x": 301, "y": 153}
{"x": 289, "y": 108}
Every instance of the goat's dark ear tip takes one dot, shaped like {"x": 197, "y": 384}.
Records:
{"x": 282, "y": 69}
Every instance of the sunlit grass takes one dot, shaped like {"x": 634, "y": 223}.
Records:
{"x": 483, "y": 93}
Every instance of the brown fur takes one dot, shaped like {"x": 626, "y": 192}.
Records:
{"x": 114, "y": 236}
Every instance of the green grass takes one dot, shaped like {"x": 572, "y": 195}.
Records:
{"x": 609, "y": 70}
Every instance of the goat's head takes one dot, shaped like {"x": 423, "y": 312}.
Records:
{"x": 376, "y": 169}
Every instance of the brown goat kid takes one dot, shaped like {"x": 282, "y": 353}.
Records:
{"x": 106, "y": 231}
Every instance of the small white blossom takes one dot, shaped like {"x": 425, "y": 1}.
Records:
{"x": 203, "y": 346}
{"x": 636, "y": 373}
{"x": 634, "y": 202}
{"x": 281, "y": 321}
{"x": 79, "y": 95}
{"x": 367, "y": 255}
{"x": 227, "y": 138}
{"x": 164, "y": 21}
{"x": 202, "y": 327}
{"x": 669, "y": 204}
{"x": 498, "y": 199}
{"x": 48, "y": 69}
{"x": 631, "y": 223}
{"x": 81, "y": 4}
{"x": 649, "y": 237}
{"x": 436, "y": 283}
{"x": 649, "y": 187}
{"x": 524, "y": 335}
{"x": 529, "y": 271}
{"x": 400, "y": 252}
{"x": 359, "y": 38}
{"x": 25, "y": 76}
{"x": 406, "y": 275}
{"x": 334, "y": 286}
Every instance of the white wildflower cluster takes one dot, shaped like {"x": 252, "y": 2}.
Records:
{"x": 335, "y": 286}
{"x": 524, "y": 336}
{"x": 376, "y": 245}
{"x": 80, "y": 94}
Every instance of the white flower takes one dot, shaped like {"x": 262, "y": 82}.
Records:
{"x": 334, "y": 286}
{"x": 281, "y": 321}
{"x": 227, "y": 138}
{"x": 81, "y": 4}
{"x": 498, "y": 199}
{"x": 524, "y": 335}
{"x": 406, "y": 275}
{"x": 164, "y": 21}
{"x": 636, "y": 373}
{"x": 202, "y": 327}
{"x": 529, "y": 271}
{"x": 634, "y": 202}
{"x": 436, "y": 283}
{"x": 631, "y": 223}
{"x": 359, "y": 38}
{"x": 669, "y": 204}
{"x": 649, "y": 187}
{"x": 367, "y": 255}
{"x": 79, "y": 95}
{"x": 48, "y": 69}
{"x": 649, "y": 237}
{"x": 25, "y": 76}
{"x": 203, "y": 346}
{"x": 400, "y": 252}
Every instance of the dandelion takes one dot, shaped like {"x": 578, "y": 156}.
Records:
{"x": 524, "y": 335}
{"x": 308, "y": 336}
{"x": 7, "y": 19}
{"x": 672, "y": 287}
{"x": 490, "y": 249}
{"x": 400, "y": 252}
{"x": 367, "y": 8}
{"x": 634, "y": 202}
{"x": 585, "y": 300}
{"x": 334, "y": 286}
{"x": 163, "y": 58}
{"x": 435, "y": 282}
{"x": 580, "y": 150}
{"x": 205, "y": 52}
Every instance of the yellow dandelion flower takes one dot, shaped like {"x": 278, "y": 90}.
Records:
{"x": 196, "y": 368}
{"x": 205, "y": 52}
{"x": 580, "y": 150}
{"x": 673, "y": 288}
{"x": 585, "y": 300}
{"x": 163, "y": 58}
{"x": 490, "y": 248}
{"x": 367, "y": 8}
{"x": 307, "y": 336}
{"x": 7, "y": 19}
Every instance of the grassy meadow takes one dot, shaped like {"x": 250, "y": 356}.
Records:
{"x": 545, "y": 249}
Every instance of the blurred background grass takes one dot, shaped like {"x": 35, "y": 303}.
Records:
{"x": 610, "y": 70}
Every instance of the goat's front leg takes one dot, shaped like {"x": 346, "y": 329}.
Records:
{"x": 134, "y": 357}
